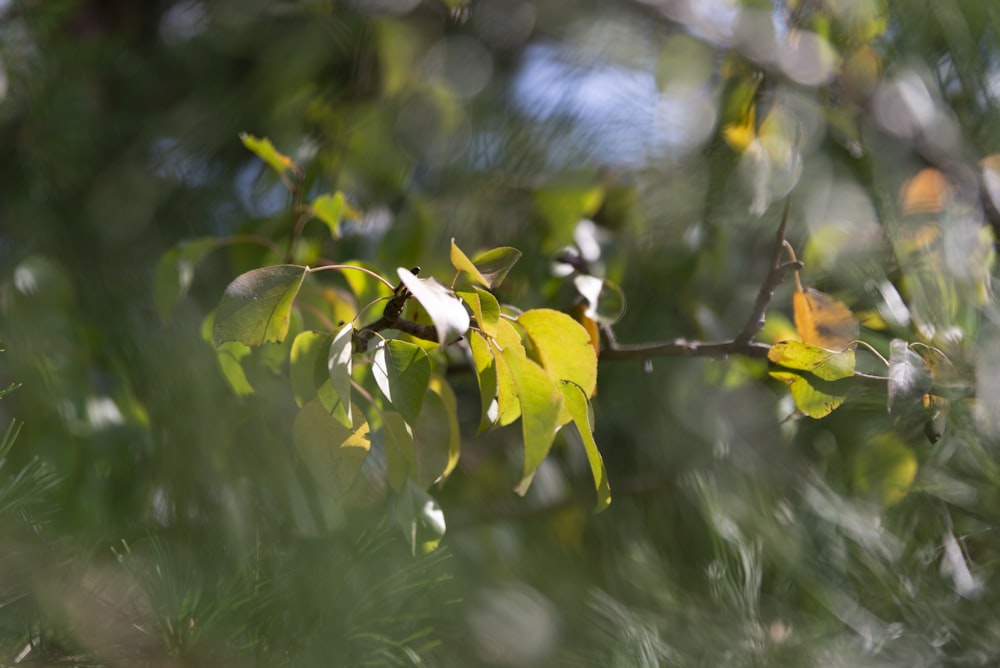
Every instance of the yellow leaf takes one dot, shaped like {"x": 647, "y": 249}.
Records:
{"x": 823, "y": 321}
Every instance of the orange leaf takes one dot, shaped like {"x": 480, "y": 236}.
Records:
{"x": 927, "y": 192}
{"x": 823, "y": 321}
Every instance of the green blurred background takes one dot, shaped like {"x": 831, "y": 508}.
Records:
{"x": 150, "y": 515}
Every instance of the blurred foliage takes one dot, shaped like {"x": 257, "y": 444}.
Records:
{"x": 153, "y": 507}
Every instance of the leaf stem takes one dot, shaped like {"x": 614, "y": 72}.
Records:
{"x": 345, "y": 267}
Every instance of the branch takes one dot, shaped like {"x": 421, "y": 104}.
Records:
{"x": 743, "y": 344}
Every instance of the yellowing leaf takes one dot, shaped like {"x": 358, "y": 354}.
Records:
{"x": 823, "y": 321}
{"x": 740, "y": 134}
{"x": 461, "y": 262}
{"x": 541, "y": 404}
{"x": 307, "y": 364}
{"x": 576, "y": 402}
{"x": 486, "y": 377}
{"x": 264, "y": 149}
{"x": 563, "y": 347}
{"x": 812, "y": 374}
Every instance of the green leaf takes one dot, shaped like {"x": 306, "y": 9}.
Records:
{"x": 486, "y": 377}
{"x": 605, "y": 300}
{"x": 435, "y": 435}
{"x": 462, "y": 263}
{"x": 485, "y": 308}
{"x": 493, "y": 265}
{"x": 578, "y": 404}
{"x": 331, "y": 209}
{"x": 541, "y": 404}
{"x": 402, "y": 372}
{"x": 307, "y": 365}
{"x": 339, "y": 366}
{"x": 817, "y": 377}
{"x": 562, "y": 346}
{"x": 884, "y": 468}
{"x": 230, "y": 357}
{"x": 256, "y": 307}
{"x": 264, "y": 149}
{"x": 399, "y": 454}
{"x": 175, "y": 272}
{"x": 446, "y": 311}
{"x": 333, "y": 453}
{"x": 421, "y": 519}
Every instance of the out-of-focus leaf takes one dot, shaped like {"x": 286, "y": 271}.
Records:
{"x": 823, "y": 321}
{"x": 909, "y": 377}
{"x": 884, "y": 469}
{"x": 175, "y": 271}
{"x": 421, "y": 519}
{"x": 399, "y": 455}
{"x": 333, "y": 453}
{"x": 435, "y": 435}
{"x": 230, "y": 356}
{"x": 813, "y": 374}
{"x": 256, "y": 306}
{"x": 494, "y": 265}
{"x": 605, "y": 300}
{"x": 402, "y": 372}
{"x": 541, "y": 404}
{"x": 450, "y": 318}
{"x": 577, "y": 403}
{"x": 331, "y": 209}
{"x": 264, "y": 149}
{"x": 338, "y": 366}
{"x": 562, "y": 346}
{"x": 307, "y": 365}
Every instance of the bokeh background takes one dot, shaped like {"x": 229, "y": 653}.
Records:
{"x": 151, "y": 515}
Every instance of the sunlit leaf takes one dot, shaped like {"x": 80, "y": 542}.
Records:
{"x": 605, "y": 300}
{"x": 402, "y": 372}
{"x": 485, "y": 308}
{"x": 493, "y": 265}
{"x": 562, "y": 346}
{"x": 822, "y": 320}
{"x": 813, "y": 374}
{"x": 307, "y": 364}
{"x": 175, "y": 272}
{"x": 338, "y": 366}
{"x": 333, "y": 453}
{"x": 884, "y": 469}
{"x": 577, "y": 403}
{"x": 486, "y": 378}
{"x": 331, "y": 209}
{"x": 450, "y": 318}
{"x": 462, "y": 263}
{"x": 541, "y": 403}
{"x": 264, "y": 149}
{"x": 256, "y": 306}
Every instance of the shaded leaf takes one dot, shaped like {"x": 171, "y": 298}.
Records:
{"x": 264, "y": 149}
{"x": 421, "y": 519}
{"x": 486, "y": 378}
{"x": 330, "y": 209}
{"x": 402, "y": 372}
{"x": 307, "y": 365}
{"x": 823, "y": 321}
{"x": 448, "y": 313}
{"x": 541, "y": 404}
{"x": 577, "y": 403}
{"x": 339, "y": 368}
{"x": 230, "y": 356}
{"x": 333, "y": 453}
{"x": 435, "y": 435}
{"x": 175, "y": 272}
{"x": 256, "y": 306}
{"x": 399, "y": 455}
{"x": 884, "y": 469}
{"x": 494, "y": 264}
